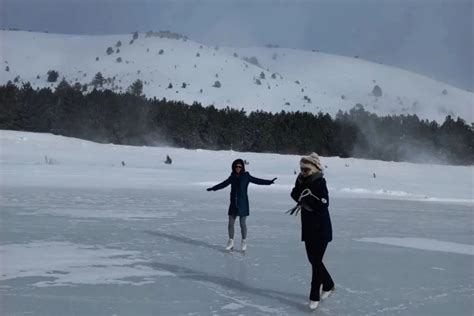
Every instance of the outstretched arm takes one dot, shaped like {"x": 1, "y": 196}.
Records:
{"x": 221, "y": 185}
{"x": 261, "y": 181}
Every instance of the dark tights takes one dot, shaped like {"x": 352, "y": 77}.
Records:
{"x": 243, "y": 226}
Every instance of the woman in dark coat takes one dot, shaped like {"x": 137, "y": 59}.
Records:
{"x": 239, "y": 180}
{"x": 311, "y": 193}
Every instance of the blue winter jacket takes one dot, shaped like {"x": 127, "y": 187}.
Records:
{"x": 239, "y": 201}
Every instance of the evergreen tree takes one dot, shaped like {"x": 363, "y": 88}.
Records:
{"x": 98, "y": 80}
{"x": 52, "y": 75}
{"x": 9, "y": 107}
{"x": 136, "y": 88}
{"x": 130, "y": 118}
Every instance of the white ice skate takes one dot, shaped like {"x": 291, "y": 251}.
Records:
{"x": 313, "y": 305}
{"x": 244, "y": 245}
{"x": 326, "y": 294}
{"x": 230, "y": 245}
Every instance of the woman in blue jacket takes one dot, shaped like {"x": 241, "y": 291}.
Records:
{"x": 239, "y": 180}
{"x": 311, "y": 194}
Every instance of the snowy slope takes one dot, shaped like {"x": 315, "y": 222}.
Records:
{"x": 303, "y": 80}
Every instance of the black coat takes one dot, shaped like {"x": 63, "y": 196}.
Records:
{"x": 315, "y": 219}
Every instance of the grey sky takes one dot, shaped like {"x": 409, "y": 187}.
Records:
{"x": 432, "y": 37}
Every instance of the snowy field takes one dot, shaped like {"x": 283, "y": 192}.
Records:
{"x": 81, "y": 234}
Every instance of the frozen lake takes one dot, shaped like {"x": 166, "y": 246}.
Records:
{"x": 160, "y": 251}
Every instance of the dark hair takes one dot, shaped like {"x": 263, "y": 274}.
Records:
{"x": 238, "y": 162}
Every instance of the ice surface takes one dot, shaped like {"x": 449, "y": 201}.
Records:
{"x": 68, "y": 264}
{"x": 90, "y": 237}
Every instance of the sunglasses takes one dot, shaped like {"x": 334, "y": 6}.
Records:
{"x": 305, "y": 170}
{"x": 238, "y": 166}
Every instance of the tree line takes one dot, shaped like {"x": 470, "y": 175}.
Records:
{"x": 129, "y": 118}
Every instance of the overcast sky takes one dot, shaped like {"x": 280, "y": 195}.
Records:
{"x": 432, "y": 37}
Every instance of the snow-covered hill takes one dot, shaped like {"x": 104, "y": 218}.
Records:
{"x": 263, "y": 78}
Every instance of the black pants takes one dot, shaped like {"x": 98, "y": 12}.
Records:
{"x": 315, "y": 251}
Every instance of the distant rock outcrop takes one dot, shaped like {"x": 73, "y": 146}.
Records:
{"x": 377, "y": 91}
{"x": 53, "y": 76}
{"x": 165, "y": 34}
{"x": 252, "y": 60}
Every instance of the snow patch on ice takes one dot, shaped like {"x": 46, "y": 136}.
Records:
{"x": 381, "y": 192}
{"x": 402, "y": 195}
{"x": 436, "y": 268}
{"x": 125, "y": 214}
{"x": 449, "y": 200}
{"x": 67, "y": 263}
{"x": 423, "y": 244}
{"x": 241, "y": 301}
{"x": 397, "y": 309}
{"x": 232, "y": 306}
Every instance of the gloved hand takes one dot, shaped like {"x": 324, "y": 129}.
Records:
{"x": 209, "y": 189}
{"x": 311, "y": 202}
{"x": 273, "y": 180}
